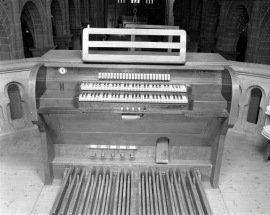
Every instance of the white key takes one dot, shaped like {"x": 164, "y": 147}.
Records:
{"x": 147, "y": 76}
{"x": 82, "y": 86}
{"x": 144, "y": 77}
{"x": 159, "y": 77}
{"x": 151, "y": 77}
{"x": 132, "y": 76}
{"x": 163, "y": 77}
{"x": 80, "y": 98}
{"x": 169, "y": 77}
{"x": 184, "y": 99}
{"x": 136, "y": 76}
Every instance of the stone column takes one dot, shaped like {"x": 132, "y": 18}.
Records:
{"x": 254, "y": 32}
{"x": 207, "y": 44}
{"x": 76, "y": 39}
{"x": 16, "y": 30}
{"x": 49, "y": 24}
{"x": 62, "y": 42}
{"x": 195, "y": 19}
{"x": 41, "y": 51}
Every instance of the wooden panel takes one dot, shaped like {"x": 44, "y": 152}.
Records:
{"x": 132, "y": 139}
{"x": 143, "y": 154}
{"x": 112, "y": 123}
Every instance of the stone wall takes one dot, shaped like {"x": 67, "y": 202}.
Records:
{"x": 218, "y": 24}
{"x": 51, "y": 23}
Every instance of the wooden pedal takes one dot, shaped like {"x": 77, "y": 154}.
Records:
{"x": 162, "y": 150}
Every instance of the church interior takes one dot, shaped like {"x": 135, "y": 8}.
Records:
{"x": 194, "y": 138}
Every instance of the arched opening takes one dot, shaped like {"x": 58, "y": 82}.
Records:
{"x": 254, "y": 106}
{"x": 28, "y": 41}
{"x": 4, "y": 44}
{"x": 242, "y": 45}
{"x": 235, "y": 38}
{"x": 16, "y": 109}
{"x": 33, "y": 28}
{"x": 57, "y": 19}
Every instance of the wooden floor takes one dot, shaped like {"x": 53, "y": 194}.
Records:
{"x": 244, "y": 182}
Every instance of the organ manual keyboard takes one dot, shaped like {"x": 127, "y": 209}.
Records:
{"x": 130, "y": 136}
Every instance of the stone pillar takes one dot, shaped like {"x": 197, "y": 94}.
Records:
{"x": 16, "y": 30}
{"x": 222, "y": 25}
{"x": 195, "y": 19}
{"x": 40, "y": 52}
{"x": 49, "y": 24}
{"x": 63, "y": 42}
{"x": 227, "y": 55}
{"x": 76, "y": 39}
{"x": 254, "y": 32}
{"x": 207, "y": 44}
{"x": 170, "y": 12}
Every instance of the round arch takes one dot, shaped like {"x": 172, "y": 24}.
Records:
{"x": 32, "y": 17}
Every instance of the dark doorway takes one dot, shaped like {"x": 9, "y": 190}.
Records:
{"x": 254, "y": 106}
{"x": 242, "y": 46}
{"x": 16, "y": 110}
{"x": 28, "y": 41}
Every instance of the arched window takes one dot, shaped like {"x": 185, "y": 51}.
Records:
{"x": 254, "y": 106}
{"x": 16, "y": 109}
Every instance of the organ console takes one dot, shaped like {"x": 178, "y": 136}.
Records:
{"x": 132, "y": 138}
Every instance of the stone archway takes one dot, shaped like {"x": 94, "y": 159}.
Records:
{"x": 31, "y": 16}
{"x": 238, "y": 19}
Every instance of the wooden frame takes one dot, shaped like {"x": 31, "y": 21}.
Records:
{"x": 139, "y": 26}
{"x": 134, "y": 57}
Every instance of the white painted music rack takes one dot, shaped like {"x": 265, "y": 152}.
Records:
{"x": 113, "y": 56}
